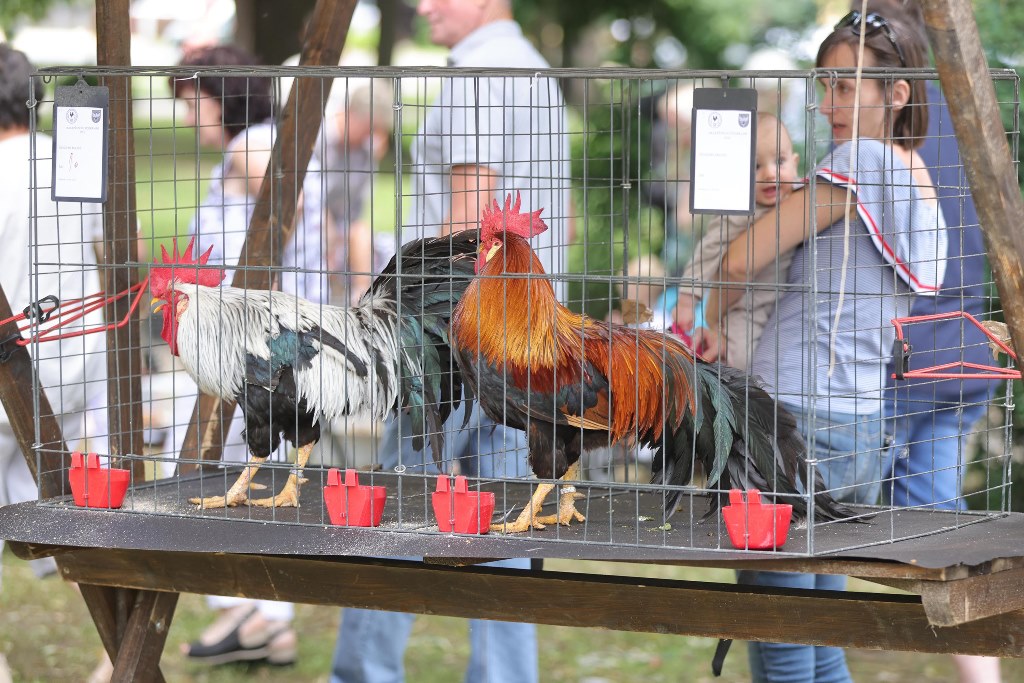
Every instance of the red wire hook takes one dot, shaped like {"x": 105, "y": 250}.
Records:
{"x": 70, "y": 311}
{"x": 939, "y": 371}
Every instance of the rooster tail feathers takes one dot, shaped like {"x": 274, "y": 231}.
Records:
{"x": 420, "y": 287}
{"x": 744, "y": 440}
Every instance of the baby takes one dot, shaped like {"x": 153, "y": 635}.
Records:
{"x": 775, "y": 177}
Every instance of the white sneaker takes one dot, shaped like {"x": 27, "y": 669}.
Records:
{"x": 5, "y": 671}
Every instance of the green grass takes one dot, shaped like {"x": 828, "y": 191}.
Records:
{"x": 46, "y": 634}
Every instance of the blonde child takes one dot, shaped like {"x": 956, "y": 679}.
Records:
{"x": 775, "y": 177}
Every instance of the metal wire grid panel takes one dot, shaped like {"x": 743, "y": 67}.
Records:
{"x": 608, "y": 161}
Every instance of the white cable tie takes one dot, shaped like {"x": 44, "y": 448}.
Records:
{"x": 568, "y": 489}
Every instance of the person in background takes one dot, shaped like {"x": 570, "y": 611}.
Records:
{"x": 234, "y": 115}
{"x": 932, "y": 420}
{"x": 841, "y": 412}
{"x": 480, "y": 139}
{"x": 51, "y": 248}
{"x": 775, "y": 177}
{"x": 674, "y": 111}
{"x": 357, "y": 123}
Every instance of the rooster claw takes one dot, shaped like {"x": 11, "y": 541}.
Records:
{"x": 288, "y": 498}
{"x": 214, "y": 502}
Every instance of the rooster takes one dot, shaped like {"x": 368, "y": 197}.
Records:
{"x": 292, "y": 365}
{"x": 574, "y": 384}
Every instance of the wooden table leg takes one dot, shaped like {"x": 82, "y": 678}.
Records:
{"x": 135, "y": 645}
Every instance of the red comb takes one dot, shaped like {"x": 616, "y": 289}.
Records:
{"x": 496, "y": 220}
{"x": 160, "y": 275}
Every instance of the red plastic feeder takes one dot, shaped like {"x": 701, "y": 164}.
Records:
{"x": 754, "y": 525}
{"x": 351, "y": 504}
{"x": 462, "y": 511}
{"x": 93, "y": 486}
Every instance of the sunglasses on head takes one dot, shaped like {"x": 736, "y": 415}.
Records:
{"x": 872, "y": 22}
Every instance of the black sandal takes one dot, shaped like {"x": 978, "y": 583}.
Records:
{"x": 230, "y": 648}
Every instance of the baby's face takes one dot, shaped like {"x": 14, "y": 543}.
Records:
{"x": 775, "y": 171}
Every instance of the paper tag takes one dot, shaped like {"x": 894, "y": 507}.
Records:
{"x": 80, "y": 132}
{"x": 722, "y": 153}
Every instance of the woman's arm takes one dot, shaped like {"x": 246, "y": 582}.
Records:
{"x": 772, "y": 234}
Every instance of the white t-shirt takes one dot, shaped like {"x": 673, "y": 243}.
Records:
{"x": 51, "y": 255}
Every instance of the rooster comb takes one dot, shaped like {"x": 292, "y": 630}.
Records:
{"x": 496, "y": 220}
{"x": 172, "y": 265}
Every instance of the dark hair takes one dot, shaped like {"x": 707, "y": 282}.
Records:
{"x": 911, "y": 124}
{"x": 907, "y": 12}
{"x": 15, "y": 78}
{"x": 244, "y": 100}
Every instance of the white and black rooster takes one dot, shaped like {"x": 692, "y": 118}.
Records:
{"x": 293, "y": 365}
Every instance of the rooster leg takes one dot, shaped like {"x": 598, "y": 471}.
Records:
{"x": 289, "y": 496}
{"x": 567, "y": 511}
{"x": 238, "y": 493}
{"x": 528, "y": 518}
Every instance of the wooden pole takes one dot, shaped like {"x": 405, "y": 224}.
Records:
{"x": 964, "y": 74}
{"x": 124, "y": 361}
{"x": 16, "y": 394}
{"x": 273, "y": 220}
{"x": 120, "y": 238}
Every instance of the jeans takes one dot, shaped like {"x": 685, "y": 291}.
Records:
{"x": 926, "y": 458}
{"x": 786, "y": 663}
{"x": 851, "y": 455}
{"x": 371, "y": 643}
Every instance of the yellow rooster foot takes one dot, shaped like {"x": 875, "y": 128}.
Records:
{"x": 229, "y": 501}
{"x": 567, "y": 511}
{"x": 288, "y": 498}
{"x": 524, "y": 522}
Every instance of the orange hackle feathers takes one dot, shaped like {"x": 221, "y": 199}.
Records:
{"x": 514, "y": 320}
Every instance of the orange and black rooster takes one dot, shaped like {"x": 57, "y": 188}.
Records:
{"x": 574, "y": 384}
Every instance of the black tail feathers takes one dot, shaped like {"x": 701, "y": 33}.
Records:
{"x": 744, "y": 440}
{"x": 424, "y": 282}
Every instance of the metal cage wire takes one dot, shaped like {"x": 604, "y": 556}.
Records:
{"x": 625, "y": 161}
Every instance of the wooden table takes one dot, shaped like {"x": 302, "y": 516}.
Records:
{"x": 968, "y": 582}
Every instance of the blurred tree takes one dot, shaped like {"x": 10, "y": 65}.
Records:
{"x": 704, "y": 27}
{"x": 12, "y": 10}
{"x": 270, "y": 29}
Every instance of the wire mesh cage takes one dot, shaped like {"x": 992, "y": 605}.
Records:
{"x": 507, "y": 365}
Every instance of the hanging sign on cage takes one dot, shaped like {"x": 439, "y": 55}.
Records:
{"x": 723, "y": 140}
{"x": 80, "y": 132}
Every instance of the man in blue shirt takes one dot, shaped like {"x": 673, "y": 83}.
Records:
{"x": 479, "y": 140}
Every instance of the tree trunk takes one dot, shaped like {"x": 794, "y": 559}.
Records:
{"x": 270, "y": 29}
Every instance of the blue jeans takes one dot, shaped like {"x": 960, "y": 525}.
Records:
{"x": 926, "y": 458}
{"x": 851, "y": 455}
{"x": 371, "y": 643}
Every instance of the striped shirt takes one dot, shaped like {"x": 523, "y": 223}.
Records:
{"x": 897, "y": 247}
{"x": 222, "y": 221}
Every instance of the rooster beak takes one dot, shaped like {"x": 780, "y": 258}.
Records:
{"x": 491, "y": 251}
{"x": 160, "y": 303}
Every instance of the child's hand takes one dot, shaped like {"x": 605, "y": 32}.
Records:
{"x": 683, "y": 313}
{"x": 708, "y": 344}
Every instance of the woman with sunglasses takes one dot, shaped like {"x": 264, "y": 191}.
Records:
{"x": 824, "y": 352}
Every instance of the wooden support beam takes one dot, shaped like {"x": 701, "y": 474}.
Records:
{"x": 878, "y": 621}
{"x": 950, "y": 603}
{"x": 964, "y": 74}
{"x": 134, "y": 646}
{"x": 149, "y": 622}
{"x": 273, "y": 220}
{"x": 17, "y": 396}
{"x": 120, "y": 238}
